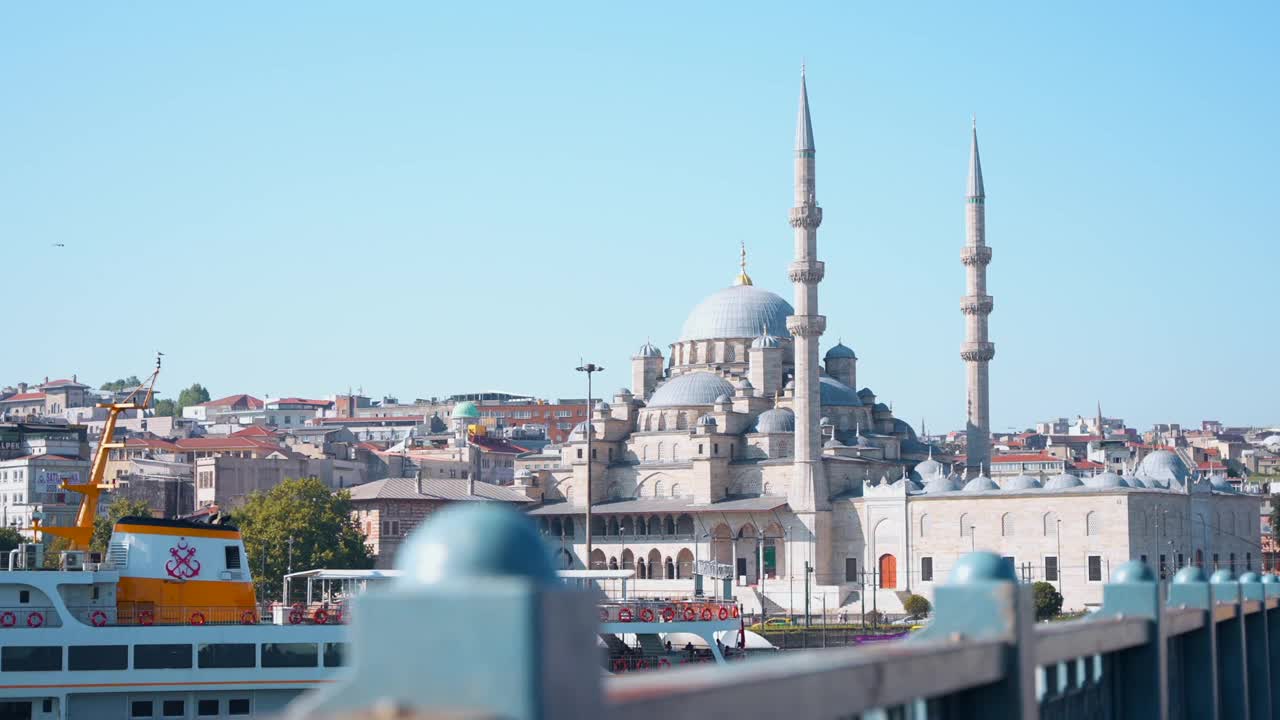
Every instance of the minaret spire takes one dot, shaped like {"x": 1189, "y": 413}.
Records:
{"x": 808, "y": 494}
{"x": 976, "y": 305}
{"x": 743, "y": 278}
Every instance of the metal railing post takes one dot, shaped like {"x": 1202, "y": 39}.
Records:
{"x": 1271, "y": 608}
{"x": 1141, "y": 679}
{"x": 1198, "y": 649}
{"x": 1233, "y": 683}
{"x": 1257, "y": 644}
{"x": 983, "y": 600}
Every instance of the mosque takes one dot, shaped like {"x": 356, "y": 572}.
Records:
{"x": 737, "y": 457}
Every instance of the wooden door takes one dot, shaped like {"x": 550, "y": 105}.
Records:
{"x": 888, "y": 571}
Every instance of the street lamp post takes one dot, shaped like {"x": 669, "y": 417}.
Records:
{"x": 973, "y": 544}
{"x": 589, "y": 368}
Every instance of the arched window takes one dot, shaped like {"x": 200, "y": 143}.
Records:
{"x": 684, "y": 563}
{"x": 675, "y": 452}
{"x": 1006, "y": 525}
{"x": 671, "y": 569}
{"x": 1217, "y": 527}
{"x": 641, "y": 570}
{"x": 628, "y": 560}
{"x": 597, "y": 559}
{"x": 648, "y": 422}
{"x": 613, "y": 525}
{"x": 644, "y": 451}
{"x": 597, "y": 525}
{"x": 669, "y": 525}
{"x": 684, "y": 525}
{"x": 1051, "y": 524}
{"x": 1091, "y": 524}
{"x": 655, "y": 564}
{"x": 966, "y": 527}
{"x": 924, "y": 525}
{"x": 662, "y": 425}
{"x": 655, "y": 525}
{"x": 641, "y": 529}
{"x": 888, "y": 571}
{"x": 675, "y": 490}
{"x": 626, "y": 528}
{"x": 568, "y": 526}
{"x": 659, "y": 452}
{"x": 657, "y": 488}
{"x": 729, "y": 354}
{"x": 613, "y": 563}
{"x": 682, "y": 420}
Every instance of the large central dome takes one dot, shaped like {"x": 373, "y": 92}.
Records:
{"x": 741, "y": 311}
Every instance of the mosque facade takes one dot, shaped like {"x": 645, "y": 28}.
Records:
{"x": 738, "y": 456}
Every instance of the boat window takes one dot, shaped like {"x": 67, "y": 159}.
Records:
{"x": 24, "y": 596}
{"x": 228, "y": 655}
{"x": 161, "y": 657}
{"x": 289, "y": 655}
{"x": 238, "y": 706}
{"x": 98, "y": 657}
{"x": 140, "y": 709}
{"x": 26, "y": 658}
{"x": 233, "y": 557}
{"x": 174, "y": 708}
{"x": 335, "y": 654}
{"x": 206, "y": 708}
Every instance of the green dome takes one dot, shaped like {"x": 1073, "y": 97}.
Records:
{"x": 466, "y": 410}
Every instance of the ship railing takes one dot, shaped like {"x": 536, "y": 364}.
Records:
{"x": 24, "y": 617}
{"x": 146, "y": 614}
{"x": 669, "y": 610}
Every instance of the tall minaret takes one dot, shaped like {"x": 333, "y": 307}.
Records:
{"x": 808, "y": 495}
{"x": 977, "y": 351}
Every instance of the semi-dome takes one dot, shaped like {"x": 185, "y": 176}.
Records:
{"x": 1164, "y": 467}
{"x": 648, "y": 349}
{"x": 981, "y": 482}
{"x": 1104, "y": 481}
{"x": 777, "y": 420}
{"x": 840, "y": 352}
{"x": 741, "y": 311}
{"x": 1063, "y": 481}
{"x": 1219, "y": 483}
{"x": 696, "y": 388}
{"x": 834, "y": 392}
{"x": 466, "y": 410}
{"x": 1022, "y": 482}
{"x": 579, "y": 431}
{"x": 707, "y": 421}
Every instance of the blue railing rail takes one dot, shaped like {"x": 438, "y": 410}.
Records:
{"x": 519, "y": 644}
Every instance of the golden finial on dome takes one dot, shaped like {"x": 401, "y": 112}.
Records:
{"x": 743, "y": 278}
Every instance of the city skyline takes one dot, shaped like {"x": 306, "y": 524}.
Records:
{"x": 429, "y": 226}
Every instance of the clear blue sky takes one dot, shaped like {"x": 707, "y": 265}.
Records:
{"x": 294, "y": 198}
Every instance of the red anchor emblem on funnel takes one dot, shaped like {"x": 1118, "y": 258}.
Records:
{"x": 184, "y": 564}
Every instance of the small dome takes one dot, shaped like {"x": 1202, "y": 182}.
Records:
{"x": 746, "y": 384}
{"x": 766, "y": 341}
{"x": 465, "y": 411}
{"x": 696, "y": 388}
{"x": 835, "y": 393}
{"x": 1103, "y": 481}
{"x": 623, "y": 391}
{"x": 981, "y": 482}
{"x": 928, "y": 469}
{"x": 1022, "y": 482}
{"x": 1163, "y": 467}
{"x": 1063, "y": 481}
{"x": 723, "y": 398}
{"x": 740, "y": 311}
{"x": 866, "y": 393}
{"x": 579, "y": 431}
{"x": 777, "y": 420}
{"x": 833, "y": 443}
{"x": 648, "y": 349}
{"x": 602, "y": 406}
{"x": 840, "y": 352}
{"x": 707, "y": 421}
{"x": 940, "y": 484}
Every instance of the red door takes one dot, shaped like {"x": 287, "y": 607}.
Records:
{"x": 888, "y": 571}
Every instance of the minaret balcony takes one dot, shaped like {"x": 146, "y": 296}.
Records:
{"x": 977, "y": 305}
{"x": 977, "y": 351}
{"x": 975, "y": 255}
{"x": 807, "y": 271}
{"x": 807, "y": 216}
{"x": 806, "y": 325}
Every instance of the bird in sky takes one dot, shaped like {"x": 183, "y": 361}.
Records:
{"x": 59, "y": 245}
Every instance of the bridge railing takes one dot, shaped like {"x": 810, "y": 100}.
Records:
{"x": 520, "y": 645}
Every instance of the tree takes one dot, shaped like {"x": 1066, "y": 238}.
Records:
{"x": 9, "y": 540}
{"x": 193, "y": 395}
{"x": 1048, "y": 600}
{"x": 120, "y": 507}
{"x": 917, "y": 606}
{"x": 166, "y": 408}
{"x": 317, "y": 520}
{"x": 122, "y": 384}
{"x": 53, "y": 552}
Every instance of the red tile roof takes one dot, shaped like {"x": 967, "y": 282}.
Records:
{"x": 226, "y": 442}
{"x": 47, "y": 456}
{"x": 1038, "y": 457}
{"x": 497, "y": 445}
{"x": 23, "y": 397}
{"x": 256, "y": 431}
{"x": 63, "y": 382}
{"x": 150, "y": 444}
{"x": 1087, "y": 465}
{"x": 248, "y": 401}
{"x": 302, "y": 401}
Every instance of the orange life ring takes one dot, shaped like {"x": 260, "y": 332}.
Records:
{"x": 337, "y": 617}
{"x": 663, "y": 662}
{"x": 642, "y": 664}
{"x": 624, "y": 615}
{"x": 248, "y": 618}
{"x": 724, "y": 613}
{"x": 619, "y": 665}
{"x": 35, "y": 620}
{"x": 668, "y": 614}
{"x": 7, "y": 619}
{"x": 735, "y": 611}
{"x": 706, "y": 613}
{"x": 197, "y": 618}
{"x": 646, "y": 615}
{"x": 146, "y": 617}
{"x": 98, "y": 618}
{"x": 295, "y": 616}
{"x": 689, "y": 614}
{"x": 320, "y": 616}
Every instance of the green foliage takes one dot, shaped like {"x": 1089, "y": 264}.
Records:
{"x": 319, "y": 522}
{"x": 53, "y": 552}
{"x": 1048, "y": 600}
{"x": 193, "y": 395}
{"x": 166, "y": 408}
{"x": 119, "y": 507}
{"x": 10, "y": 539}
{"x": 917, "y": 606}
{"x": 122, "y": 384}
{"x": 873, "y": 617}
